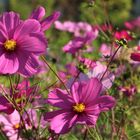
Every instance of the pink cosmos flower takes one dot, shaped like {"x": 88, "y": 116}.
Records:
{"x": 80, "y": 42}
{"x": 45, "y": 22}
{"x": 105, "y": 50}
{"x": 96, "y": 72}
{"x": 82, "y": 106}
{"x": 136, "y": 55}
{"x": 10, "y": 124}
{"x": 78, "y": 28}
{"x": 23, "y": 91}
{"x": 21, "y": 42}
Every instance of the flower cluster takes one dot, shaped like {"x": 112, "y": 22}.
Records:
{"x": 92, "y": 91}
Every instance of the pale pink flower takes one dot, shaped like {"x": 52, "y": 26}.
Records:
{"x": 96, "y": 72}
{"x": 79, "y": 43}
{"x": 105, "y": 50}
{"x": 78, "y": 28}
{"x": 11, "y": 125}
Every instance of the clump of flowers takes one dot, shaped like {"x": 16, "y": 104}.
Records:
{"x": 76, "y": 92}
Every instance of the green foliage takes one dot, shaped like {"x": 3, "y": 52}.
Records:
{"x": 106, "y": 11}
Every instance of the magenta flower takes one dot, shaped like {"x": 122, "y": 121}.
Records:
{"x": 10, "y": 124}
{"x": 83, "y": 106}
{"x": 21, "y": 43}
{"x": 136, "y": 55}
{"x": 81, "y": 43}
{"x": 46, "y": 22}
{"x": 123, "y": 34}
{"x": 22, "y": 92}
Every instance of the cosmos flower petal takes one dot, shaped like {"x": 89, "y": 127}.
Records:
{"x": 91, "y": 91}
{"x": 60, "y": 98}
{"x": 47, "y": 22}
{"x": 3, "y": 34}
{"x": 108, "y": 81}
{"x": 35, "y": 43}
{"x": 49, "y": 115}
{"x": 9, "y": 121}
{"x": 8, "y": 63}
{"x": 10, "y": 20}
{"x": 89, "y": 119}
{"x": 63, "y": 122}
{"x": 29, "y": 63}
{"x": 135, "y": 56}
{"x": 105, "y": 102}
{"x": 26, "y": 27}
{"x": 74, "y": 45}
{"x": 8, "y": 109}
{"x": 75, "y": 90}
{"x": 14, "y": 117}
{"x": 5, "y": 106}
{"x": 38, "y": 13}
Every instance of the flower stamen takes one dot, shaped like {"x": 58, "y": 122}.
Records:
{"x": 16, "y": 126}
{"x": 79, "y": 107}
{"x": 10, "y": 45}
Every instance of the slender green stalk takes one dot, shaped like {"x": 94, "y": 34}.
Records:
{"x": 43, "y": 58}
{"x": 110, "y": 62}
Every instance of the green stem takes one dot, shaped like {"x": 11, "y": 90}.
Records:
{"x": 110, "y": 63}
{"x": 44, "y": 59}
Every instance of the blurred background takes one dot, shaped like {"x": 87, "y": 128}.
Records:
{"x": 78, "y": 9}
{"x": 104, "y": 11}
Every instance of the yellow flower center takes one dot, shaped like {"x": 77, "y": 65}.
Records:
{"x": 16, "y": 126}
{"x": 79, "y": 107}
{"x": 10, "y": 45}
